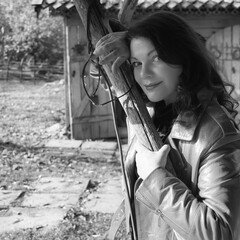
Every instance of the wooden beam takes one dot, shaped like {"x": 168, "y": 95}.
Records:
{"x": 132, "y": 102}
{"x": 126, "y": 12}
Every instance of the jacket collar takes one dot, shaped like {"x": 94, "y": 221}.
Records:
{"x": 185, "y": 125}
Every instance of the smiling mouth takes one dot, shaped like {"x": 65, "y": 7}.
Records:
{"x": 151, "y": 86}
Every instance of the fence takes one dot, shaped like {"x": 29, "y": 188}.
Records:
{"x": 23, "y": 71}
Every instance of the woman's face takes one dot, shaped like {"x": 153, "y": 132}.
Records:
{"x": 158, "y": 79}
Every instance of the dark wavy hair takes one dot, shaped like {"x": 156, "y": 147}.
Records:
{"x": 178, "y": 44}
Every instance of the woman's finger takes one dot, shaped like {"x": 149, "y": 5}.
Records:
{"x": 110, "y": 57}
{"x": 102, "y": 40}
{"x": 110, "y": 42}
{"x": 105, "y": 46}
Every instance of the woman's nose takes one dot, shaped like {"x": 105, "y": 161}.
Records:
{"x": 145, "y": 71}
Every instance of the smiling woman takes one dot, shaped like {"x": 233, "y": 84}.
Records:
{"x": 158, "y": 79}
{"x": 194, "y": 114}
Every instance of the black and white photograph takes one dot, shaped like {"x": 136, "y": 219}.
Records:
{"x": 119, "y": 120}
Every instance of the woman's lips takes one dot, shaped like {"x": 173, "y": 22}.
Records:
{"x": 151, "y": 86}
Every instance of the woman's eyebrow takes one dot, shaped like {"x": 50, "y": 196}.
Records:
{"x": 148, "y": 54}
{"x": 152, "y": 51}
{"x": 133, "y": 58}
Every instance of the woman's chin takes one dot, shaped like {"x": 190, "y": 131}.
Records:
{"x": 154, "y": 98}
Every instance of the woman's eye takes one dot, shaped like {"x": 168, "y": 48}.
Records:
{"x": 156, "y": 59}
{"x": 135, "y": 64}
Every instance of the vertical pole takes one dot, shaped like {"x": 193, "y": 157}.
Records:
{"x": 68, "y": 77}
{"x": 3, "y": 43}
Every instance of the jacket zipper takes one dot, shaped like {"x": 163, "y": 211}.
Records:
{"x": 155, "y": 209}
{"x": 152, "y": 206}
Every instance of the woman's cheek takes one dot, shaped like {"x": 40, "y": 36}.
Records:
{"x": 136, "y": 74}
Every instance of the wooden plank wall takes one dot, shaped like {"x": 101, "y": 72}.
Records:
{"x": 225, "y": 46}
{"x": 207, "y": 25}
{"x": 223, "y": 39}
{"x": 236, "y": 56}
{"x": 87, "y": 121}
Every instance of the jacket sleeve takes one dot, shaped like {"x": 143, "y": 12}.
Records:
{"x": 214, "y": 213}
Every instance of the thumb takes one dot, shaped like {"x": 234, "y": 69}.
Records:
{"x": 163, "y": 153}
{"x": 165, "y": 149}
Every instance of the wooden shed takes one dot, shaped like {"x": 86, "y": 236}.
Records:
{"x": 216, "y": 20}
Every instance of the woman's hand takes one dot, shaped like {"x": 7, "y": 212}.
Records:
{"x": 112, "y": 48}
{"x": 147, "y": 161}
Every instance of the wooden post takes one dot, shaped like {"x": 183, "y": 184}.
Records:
{"x": 126, "y": 12}
{"x": 132, "y": 101}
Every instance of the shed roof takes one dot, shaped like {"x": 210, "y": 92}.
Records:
{"x": 207, "y": 6}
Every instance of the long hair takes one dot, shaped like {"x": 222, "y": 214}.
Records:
{"x": 178, "y": 44}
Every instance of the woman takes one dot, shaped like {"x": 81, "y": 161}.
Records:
{"x": 194, "y": 113}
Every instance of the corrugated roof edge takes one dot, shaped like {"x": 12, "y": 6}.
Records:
{"x": 174, "y": 5}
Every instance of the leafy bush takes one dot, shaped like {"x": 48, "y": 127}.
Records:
{"x": 25, "y": 34}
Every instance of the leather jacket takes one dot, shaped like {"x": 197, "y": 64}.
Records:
{"x": 199, "y": 199}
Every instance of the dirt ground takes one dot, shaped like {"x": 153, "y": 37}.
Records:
{"x": 31, "y": 115}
